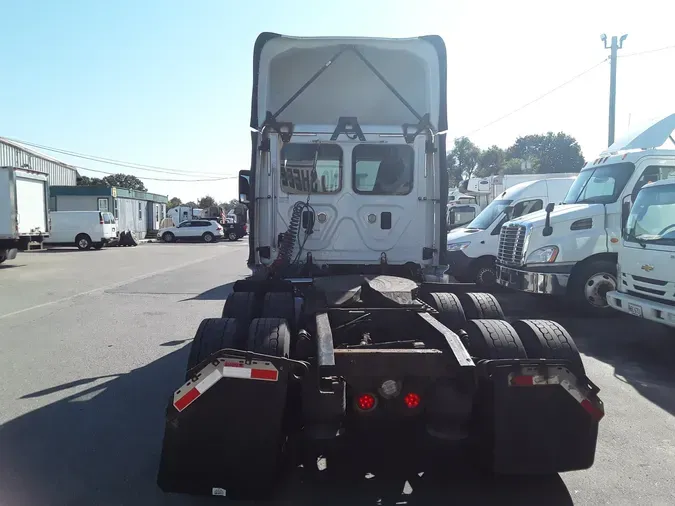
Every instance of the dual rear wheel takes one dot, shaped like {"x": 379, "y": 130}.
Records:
{"x": 480, "y": 319}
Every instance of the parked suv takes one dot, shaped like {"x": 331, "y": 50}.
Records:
{"x": 207, "y": 231}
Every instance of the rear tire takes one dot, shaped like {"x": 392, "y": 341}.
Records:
{"x": 213, "y": 335}
{"x": 232, "y": 236}
{"x": 208, "y": 237}
{"x": 481, "y": 306}
{"x": 279, "y": 305}
{"x": 548, "y": 339}
{"x": 269, "y": 336}
{"x": 493, "y": 339}
{"x": 83, "y": 242}
{"x": 450, "y": 312}
{"x": 240, "y": 305}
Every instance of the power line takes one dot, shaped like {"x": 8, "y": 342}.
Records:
{"x": 537, "y": 99}
{"x": 111, "y": 161}
{"x": 158, "y": 179}
{"x": 639, "y": 53}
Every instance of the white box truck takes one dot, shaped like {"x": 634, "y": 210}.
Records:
{"x": 472, "y": 250}
{"x": 571, "y": 249}
{"x": 645, "y": 273}
{"x": 24, "y": 198}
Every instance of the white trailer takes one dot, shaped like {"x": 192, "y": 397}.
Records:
{"x": 24, "y": 197}
{"x": 646, "y": 286}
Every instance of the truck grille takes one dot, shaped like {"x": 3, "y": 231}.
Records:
{"x": 511, "y": 242}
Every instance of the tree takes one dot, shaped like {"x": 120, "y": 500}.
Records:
{"x": 462, "y": 160}
{"x": 513, "y": 166}
{"x": 191, "y": 204}
{"x": 90, "y": 181}
{"x": 206, "y": 202}
{"x": 490, "y": 162}
{"x": 552, "y": 152}
{"x": 174, "y": 202}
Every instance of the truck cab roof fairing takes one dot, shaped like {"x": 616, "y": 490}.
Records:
{"x": 348, "y": 87}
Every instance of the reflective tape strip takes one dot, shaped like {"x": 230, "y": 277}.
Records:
{"x": 530, "y": 376}
{"x": 225, "y": 368}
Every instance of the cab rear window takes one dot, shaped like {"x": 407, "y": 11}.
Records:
{"x": 295, "y": 170}
{"x": 383, "y": 170}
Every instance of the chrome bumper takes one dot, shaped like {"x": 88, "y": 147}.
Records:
{"x": 532, "y": 282}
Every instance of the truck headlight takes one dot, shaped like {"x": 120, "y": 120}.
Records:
{"x": 458, "y": 246}
{"x": 543, "y": 255}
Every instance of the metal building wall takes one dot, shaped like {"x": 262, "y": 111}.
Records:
{"x": 59, "y": 174}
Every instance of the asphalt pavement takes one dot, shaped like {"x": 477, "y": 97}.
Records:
{"x": 92, "y": 344}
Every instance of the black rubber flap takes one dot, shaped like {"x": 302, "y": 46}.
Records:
{"x": 229, "y": 439}
{"x": 539, "y": 429}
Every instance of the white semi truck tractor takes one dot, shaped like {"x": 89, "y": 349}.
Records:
{"x": 571, "y": 249}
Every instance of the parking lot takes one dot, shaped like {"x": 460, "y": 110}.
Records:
{"x": 94, "y": 342}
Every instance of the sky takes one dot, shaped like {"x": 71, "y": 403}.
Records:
{"x": 167, "y": 83}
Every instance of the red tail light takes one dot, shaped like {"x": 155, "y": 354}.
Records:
{"x": 412, "y": 400}
{"x": 366, "y": 402}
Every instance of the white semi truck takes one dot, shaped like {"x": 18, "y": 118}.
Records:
{"x": 571, "y": 249}
{"x": 646, "y": 268}
{"x": 24, "y": 201}
{"x": 347, "y": 230}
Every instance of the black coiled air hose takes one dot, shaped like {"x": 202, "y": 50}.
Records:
{"x": 288, "y": 241}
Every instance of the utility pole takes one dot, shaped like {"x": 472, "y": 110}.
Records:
{"x": 617, "y": 43}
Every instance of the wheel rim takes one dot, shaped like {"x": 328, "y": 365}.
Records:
{"x": 207, "y": 238}
{"x": 168, "y": 237}
{"x": 596, "y": 288}
{"x": 233, "y": 236}
{"x": 83, "y": 243}
{"x": 486, "y": 276}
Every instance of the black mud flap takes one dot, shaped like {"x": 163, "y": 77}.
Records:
{"x": 545, "y": 418}
{"x": 223, "y": 433}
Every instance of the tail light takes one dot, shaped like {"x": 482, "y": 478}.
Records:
{"x": 219, "y": 227}
{"x": 412, "y": 400}
{"x": 366, "y": 402}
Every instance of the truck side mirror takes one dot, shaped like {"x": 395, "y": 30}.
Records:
{"x": 548, "y": 229}
{"x": 244, "y": 186}
{"x": 508, "y": 212}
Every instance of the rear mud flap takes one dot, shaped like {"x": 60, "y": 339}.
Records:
{"x": 545, "y": 419}
{"x": 223, "y": 433}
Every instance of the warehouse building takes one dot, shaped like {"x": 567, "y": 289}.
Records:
{"x": 15, "y": 155}
{"x": 137, "y": 212}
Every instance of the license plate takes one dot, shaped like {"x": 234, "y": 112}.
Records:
{"x": 635, "y": 310}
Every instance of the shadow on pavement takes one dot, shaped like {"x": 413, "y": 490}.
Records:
{"x": 101, "y": 446}
{"x": 216, "y": 293}
{"x": 10, "y": 266}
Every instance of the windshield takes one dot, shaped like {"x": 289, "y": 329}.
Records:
{"x": 652, "y": 218}
{"x": 489, "y": 214}
{"x": 600, "y": 185}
